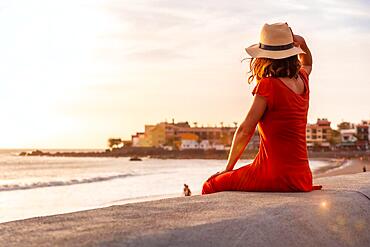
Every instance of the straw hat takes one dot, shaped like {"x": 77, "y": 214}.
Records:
{"x": 276, "y": 42}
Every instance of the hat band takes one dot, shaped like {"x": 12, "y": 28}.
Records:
{"x": 276, "y": 47}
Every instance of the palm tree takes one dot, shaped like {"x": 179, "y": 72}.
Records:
{"x": 114, "y": 142}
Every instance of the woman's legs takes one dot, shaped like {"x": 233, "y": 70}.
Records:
{"x": 218, "y": 183}
{"x": 232, "y": 180}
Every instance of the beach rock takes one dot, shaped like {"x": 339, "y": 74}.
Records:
{"x": 338, "y": 215}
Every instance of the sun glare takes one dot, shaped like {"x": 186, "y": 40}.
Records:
{"x": 49, "y": 56}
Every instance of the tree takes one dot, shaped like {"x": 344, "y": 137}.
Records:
{"x": 344, "y": 125}
{"x": 114, "y": 143}
{"x": 335, "y": 138}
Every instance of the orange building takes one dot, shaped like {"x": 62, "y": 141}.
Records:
{"x": 168, "y": 134}
{"x": 319, "y": 134}
{"x": 363, "y": 135}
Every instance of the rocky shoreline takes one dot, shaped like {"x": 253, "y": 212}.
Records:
{"x": 160, "y": 153}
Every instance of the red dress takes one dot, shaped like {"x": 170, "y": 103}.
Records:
{"x": 281, "y": 163}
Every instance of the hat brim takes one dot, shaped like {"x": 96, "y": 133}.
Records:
{"x": 256, "y": 52}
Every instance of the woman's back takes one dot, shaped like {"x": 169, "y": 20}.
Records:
{"x": 282, "y": 127}
{"x": 297, "y": 85}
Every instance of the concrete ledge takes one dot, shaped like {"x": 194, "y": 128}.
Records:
{"x": 339, "y": 215}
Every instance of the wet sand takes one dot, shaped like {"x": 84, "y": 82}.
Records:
{"x": 344, "y": 167}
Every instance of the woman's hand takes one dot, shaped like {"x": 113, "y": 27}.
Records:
{"x": 298, "y": 40}
{"x": 216, "y": 174}
{"x": 304, "y": 58}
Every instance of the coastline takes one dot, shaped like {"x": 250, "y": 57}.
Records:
{"x": 343, "y": 167}
{"x": 332, "y": 167}
{"x": 332, "y": 164}
{"x": 329, "y": 167}
{"x": 160, "y": 153}
{"x": 340, "y": 162}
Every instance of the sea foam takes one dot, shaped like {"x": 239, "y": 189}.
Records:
{"x": 7, "y": 187}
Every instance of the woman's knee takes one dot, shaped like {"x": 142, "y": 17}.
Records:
{"x": 218, "y": 183}
{"x": 207, "y": 188}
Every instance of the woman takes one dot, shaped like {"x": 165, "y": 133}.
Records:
{"x": 281, "y": 64}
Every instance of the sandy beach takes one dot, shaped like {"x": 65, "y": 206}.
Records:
{"x": 343, "y": 167}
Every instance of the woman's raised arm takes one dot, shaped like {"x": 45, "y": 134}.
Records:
{"x": 245, "y": 131}
{"x": 305, "y": 59}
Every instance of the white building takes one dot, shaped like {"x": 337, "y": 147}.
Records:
{"x": 348, "y": 138}
{"x": 348, "y": 135}
{"x": 189, "y": 144}
{"x": 166, "y": 147}
{"x": 218, "y": 146}
{"x": 204, "y": 144}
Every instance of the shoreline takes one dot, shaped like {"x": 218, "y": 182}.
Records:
{"x": 332, "y": 163}
{"x": 333, "y": 168}
{"x": 325, "y": 167}
{"x": 344, "y": 167}
{"x": 159, "y": 153}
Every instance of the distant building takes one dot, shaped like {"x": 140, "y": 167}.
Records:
{"x": 181, "y": 136}
{"x": 318, "y": 135}
{"x": 346, "y": 125}
{"x": 205, "y": 145}
{"x": 223, "y": 135}
{"x": 219, "y": 146}
{"x": 170, "y": 134}
{"x": 189, "y": 144}
{"x": 169, "y": 148}
{"x": 363, "y": 135}
{"x": 254, "y": 142}
{"x": 140, "y": 140}
{"x": 348, "y": 138}
{"x": 191, "y": 141}
{"x": 127, "y": 143}
{"x": 188, "y": 141}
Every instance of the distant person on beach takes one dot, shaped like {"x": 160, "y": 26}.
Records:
{"x": 281, "y": 64}
{"x": 187, "y": 191}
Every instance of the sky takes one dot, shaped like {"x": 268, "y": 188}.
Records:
{"x": 74, "y": 73}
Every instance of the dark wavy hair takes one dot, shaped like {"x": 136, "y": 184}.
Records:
{"x": 267, "y": 67}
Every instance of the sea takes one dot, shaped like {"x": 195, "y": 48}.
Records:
{"x": 32, "y": 186}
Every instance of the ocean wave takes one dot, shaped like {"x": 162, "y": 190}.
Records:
{"x": 7, "y": 187}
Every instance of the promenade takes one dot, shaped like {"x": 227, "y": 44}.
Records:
{"x": 339, "y": 215}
